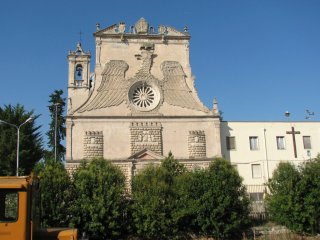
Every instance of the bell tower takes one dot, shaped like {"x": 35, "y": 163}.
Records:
{"x": 79, "y": 81}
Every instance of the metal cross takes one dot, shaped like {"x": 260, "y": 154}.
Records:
{"x": 80, "y": 34}
{"x": 294, "y": 140}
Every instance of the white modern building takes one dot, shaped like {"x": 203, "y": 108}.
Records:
{"x": 256, "y": 148}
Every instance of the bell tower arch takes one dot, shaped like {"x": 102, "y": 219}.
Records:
{"x": 79, "y": 80}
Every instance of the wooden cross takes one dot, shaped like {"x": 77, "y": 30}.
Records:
{"x": 294, "y": 140}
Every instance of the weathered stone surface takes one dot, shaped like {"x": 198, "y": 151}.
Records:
{"x": 93, "y": 144}
{"x": 140, "y": 102}
{"x": 146, "y": 135}
{"x": 197, "y": 144}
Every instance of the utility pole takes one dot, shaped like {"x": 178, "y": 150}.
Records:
{"x": 56, "y": 105}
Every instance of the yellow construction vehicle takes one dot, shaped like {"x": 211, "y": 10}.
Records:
{"x": 19, "y": 212}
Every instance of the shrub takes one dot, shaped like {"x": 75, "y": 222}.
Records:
{"x": 219, "y": 201}
{"x": 99, "y": 206}
{"x": 294, "y": 199}
{"x": 55, "y": 193}
{"x": 155, "y": 200}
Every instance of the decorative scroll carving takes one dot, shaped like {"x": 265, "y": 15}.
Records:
{"x": 93, "y": 144}
{"x": 122, "y": 27}
{"x": 146, "y": 56}
{"x": 144, "y": 94}
{"x": 174, "y": 32}
{"x": 176, "y": 90}
{"x": 110, "y": 29}
{"x": 197, "y": 144}
{"x": 142, "y": 26}
{"x": 162, "y": 30}
{"x": 113, "y": 88}
{"x": 192, "y": 166}
{"x": 146, "y": 135}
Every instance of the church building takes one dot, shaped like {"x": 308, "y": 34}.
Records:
{"x": 140, "y": 103}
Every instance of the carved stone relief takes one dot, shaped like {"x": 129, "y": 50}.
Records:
{"x": 113, "y": 87}
{"x": 93, "y": 144}
{"x": 146, "y": 135}
{"x": 142, "y": 26}
{"x": 175, "y": 88}
{"x": 144, "y": 93}
{"x": 197, "y": 144}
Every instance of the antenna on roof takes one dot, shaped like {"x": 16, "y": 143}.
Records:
{"x": 309, "y": 114}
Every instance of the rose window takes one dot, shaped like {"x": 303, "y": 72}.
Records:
{"x": 143, "y": 96}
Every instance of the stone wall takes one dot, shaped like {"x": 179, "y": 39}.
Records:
{"x": 93, "y": 144}
{"x": 146, "y": 135}
{"x": 197, "y": 144}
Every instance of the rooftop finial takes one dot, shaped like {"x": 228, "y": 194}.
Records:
{"x": 97, "y": 26}
{"x": 215, "y": 108}
{"x": 142, "y": 26}
{"x": 79, "y": 48}
{"x": 122, "y": 27}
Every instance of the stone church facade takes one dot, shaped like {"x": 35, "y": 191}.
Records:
{"x": 140, "y": 102}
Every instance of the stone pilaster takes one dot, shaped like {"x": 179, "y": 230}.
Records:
{"x": 93, "y": 144}
{"x": 197, "y": 144}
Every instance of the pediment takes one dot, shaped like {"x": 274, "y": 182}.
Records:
{"x": 146, "y": 154}
{"x": 174, "y": 32}
{"x": 108, "y": 30}
{"x": 141, "y": 28}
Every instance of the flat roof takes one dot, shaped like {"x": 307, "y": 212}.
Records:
{"x": 284, "y": 121}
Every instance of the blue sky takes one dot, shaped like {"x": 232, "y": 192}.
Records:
{"x": 260, "y": 58}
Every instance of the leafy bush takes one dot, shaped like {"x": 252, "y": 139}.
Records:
{"x": 55, "y": 187}
{"x": 169, "y": 202}
{"x": 99, "y": 206}
{"x": 294, "y": 199}
{"x": 218, "y": 201}
{"x": 155, "y": 200}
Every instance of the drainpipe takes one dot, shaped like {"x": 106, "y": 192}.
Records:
{"x": 266, "y": 151}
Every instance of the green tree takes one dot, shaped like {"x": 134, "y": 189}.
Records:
{"x": 283, "y": 201}
{"x": 30, "y": 141}
{"x": 294, "y": 199}
{"x": 218, "y": 202}
{"x": 155, "y": 200}
{"x": 57, "y": 109}
{"x": 310, "y": 192}
{"x": 55, "y": 190}
{"x": 99, "y": 206}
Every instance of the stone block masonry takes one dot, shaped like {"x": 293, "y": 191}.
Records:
{"x": 93, "y": 144}
{"x": 197, "y": 144}
{"x": 146, "y": 135}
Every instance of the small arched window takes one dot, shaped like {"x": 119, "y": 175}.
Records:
{"x": 79, "y": 75}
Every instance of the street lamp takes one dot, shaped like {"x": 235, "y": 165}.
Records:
{"x": 18, "y": 137}
{"x": 55, "y": 105}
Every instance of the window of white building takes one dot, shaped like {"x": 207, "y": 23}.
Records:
{"x": 254, "y": 143}
{"x": 256, "y": 171}
{"x": 231, "y": 143}
{"x": 256, "y": 196}
{"x": 307, "y": 142}
{"x": 281, "y": 143}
